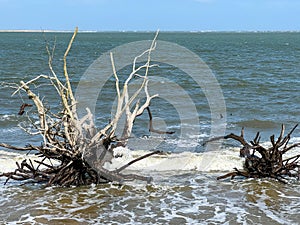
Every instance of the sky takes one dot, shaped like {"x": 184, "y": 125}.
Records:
{"x": 151, "y": 15}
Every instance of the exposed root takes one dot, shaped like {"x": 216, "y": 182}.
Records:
{"x": 78, "y": 147}
{"x": 269, "y": 162}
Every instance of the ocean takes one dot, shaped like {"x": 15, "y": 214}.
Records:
{"x": 209, "y": 84}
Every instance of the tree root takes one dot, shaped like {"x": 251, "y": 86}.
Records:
{"x": 72, "y": 173}
{"x": 261, "y": 162}
{"x": 79, "y": 149}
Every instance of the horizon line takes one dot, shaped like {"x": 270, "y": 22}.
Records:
{"x": 141, "y": 31}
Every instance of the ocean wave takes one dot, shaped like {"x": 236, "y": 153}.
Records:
{"x": 259, "y": 124}
{"x": 208, "y": 161}
{"x": 180, "y": 193}
{"x": 223, "y": 160}
{"x": 8, "y": 117}
{"x": 8, "y": 160}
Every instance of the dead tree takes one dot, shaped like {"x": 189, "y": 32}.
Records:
{"x": 262, "y": 162}
{"x": 79, "y": 149}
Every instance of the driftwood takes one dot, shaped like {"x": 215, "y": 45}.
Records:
{"x": 269, "y": 162}
{"x": 151, "y": 128}
{"x": 78, "y": 148}
{"x": 22, "y": 108}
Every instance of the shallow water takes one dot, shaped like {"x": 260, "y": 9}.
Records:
{"x": 259, "y": 77}
{"x": 183, "y": 192}
{"x": 190, "y": 198}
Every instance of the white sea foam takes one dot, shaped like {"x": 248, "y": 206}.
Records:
{"x": 8, "y": 160}
{"x": 222, "y": 160}
{"x": 7, "y": 117}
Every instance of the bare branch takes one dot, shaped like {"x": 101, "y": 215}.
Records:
{"x": 270, "y": 163}
{"x": 27, "y": 148}
{"x": 151, "y": 129}
{"x": 80, "y": 150}
{"x": 70, "y": 92}
{"x": 136, "y": 160}
{"x": 29, "y": 82}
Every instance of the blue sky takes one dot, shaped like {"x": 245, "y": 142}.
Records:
{"x": 145, "y": 15}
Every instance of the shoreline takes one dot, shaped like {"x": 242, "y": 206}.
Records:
{"x": 39, "y": 31}
{"x": 145, "y": 31}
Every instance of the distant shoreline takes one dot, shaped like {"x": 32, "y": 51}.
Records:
{"x": 145, "y": 31}
{"x": 39, "y": 31}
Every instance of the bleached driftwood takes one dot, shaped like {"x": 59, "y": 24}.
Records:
{"x": 80, "y": 149}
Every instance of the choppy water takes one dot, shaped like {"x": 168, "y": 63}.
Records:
{"x": 259, "y": 77}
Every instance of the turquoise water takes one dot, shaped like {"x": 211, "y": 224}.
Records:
{"x": 259, "y": 77}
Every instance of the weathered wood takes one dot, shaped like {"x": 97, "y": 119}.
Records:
{"x": 22, "y": 108}
{"x": 151, "y": 128}
{"x": 136, "y": 160}
{"x": 269, "y": 162}
{"x": 79, "y": 149}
